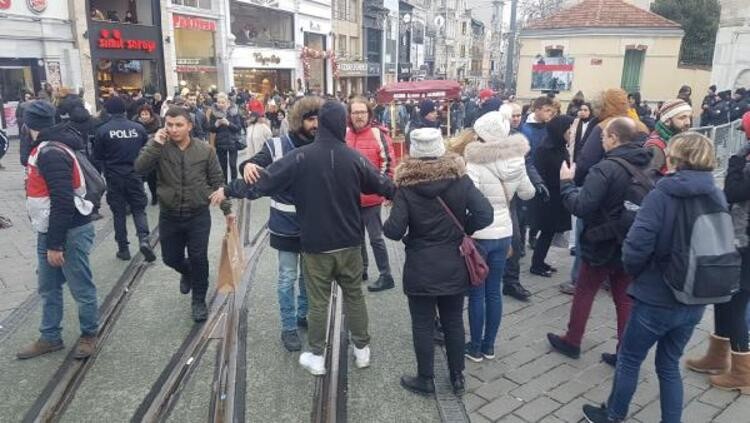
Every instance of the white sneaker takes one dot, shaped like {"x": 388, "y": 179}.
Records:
{"x": 362, "y": 357}
{"x": 314, "y": 364}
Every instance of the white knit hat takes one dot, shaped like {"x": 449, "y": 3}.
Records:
{"x": 492, "y": 126}
{"x": 426, "y": 142}
{"x": 672, "y": 108}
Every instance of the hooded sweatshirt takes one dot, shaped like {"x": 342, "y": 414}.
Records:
{"x": 326, "y": 179}
{"x": 498, "y": 170}
{"x": 648, "y": 245}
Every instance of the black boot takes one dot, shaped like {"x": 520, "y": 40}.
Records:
{"x": 123, "y": 253}
{"x": 516, "y": 291}
{"x": 200, "y": 311}
{"x": 418, "y": 385}
{"x": 457, "y": 380}
{"x": 147, "y": 251}
{"x": 185, "y": 284}
{"x": 384, "y": 282}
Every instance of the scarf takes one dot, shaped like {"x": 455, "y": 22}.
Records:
{"x": 663, "y": 130}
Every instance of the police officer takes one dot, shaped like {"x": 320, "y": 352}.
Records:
{"x": 116, "y": 146}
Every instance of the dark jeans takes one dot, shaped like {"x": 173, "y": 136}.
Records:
{"x": 590, "y": 279}
{"x": 180, "y": 233}
{"x": 485, "y": 301}
{"x": 151, "y": 181}
{"x": 541, "y": 248}
{"x": 450, "y": 309}
{"x": 228, "y": 156}
{"x": 670, "y": 329}
{"x": 374, "y": 225}
{"x": 512, "y": 271}
{"x": 123, "y": 192}
{"x": 729, "y": 320}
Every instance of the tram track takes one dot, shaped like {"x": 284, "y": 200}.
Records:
{"x": 61, "y": 388}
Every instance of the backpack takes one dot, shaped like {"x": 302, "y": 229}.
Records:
{"x": 94, "y": 181}
{"x": 704, "y": 265}
{"x": 640, "y": 185}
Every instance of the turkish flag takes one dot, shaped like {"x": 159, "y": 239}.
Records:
{"x": 4, "y": 4}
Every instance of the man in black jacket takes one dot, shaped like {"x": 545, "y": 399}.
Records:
{"x": 55, "y": 191}
{"x": 116, "y": 147}
{"x": 599, "y": 202}
{"x": 283, "y": 222}
{"x": 326, "y": 179}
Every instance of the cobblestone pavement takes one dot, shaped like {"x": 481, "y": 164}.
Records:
{"x": 529, "y": 383}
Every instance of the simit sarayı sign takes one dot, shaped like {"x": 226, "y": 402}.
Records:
{"x": 112, "y": 39}
{"x": 4, "y": 4}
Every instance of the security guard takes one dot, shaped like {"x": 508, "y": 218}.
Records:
{"x": 116, "y": 147}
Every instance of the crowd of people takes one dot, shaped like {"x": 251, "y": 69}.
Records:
{"x": 630, "y": 184}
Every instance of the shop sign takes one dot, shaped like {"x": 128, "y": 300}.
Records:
{"x": 36, "y": 6}
{"x": 5, "y": 4}
{"x": 194, "y": 68}
{"x": 314, "y": 26}
{"x": 112, "y": 40}
{"x": 265, "y": 60}
{"x": 348, "y": 69}
{"x": 190, "y": 22}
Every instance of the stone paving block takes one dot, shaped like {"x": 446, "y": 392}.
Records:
{"x": 646, "y": 392}
{"x": 550, "y": 419}
{"x": 719, "y": 398}
{"x": 478, "y": 418}
{"x": 599, "y": 393}
{"x": 537, "y": 409}
{"x": 699, "y": 412}
{"x": 473, "y": 402}
{"x": 571, "y": 412}
{"x": 650, "y": 413}
{"x": 534, "y": 368}
{"x": 512, "y": 418}
{"x": 500, "y": 407}
{"x": 738, "y": 411}
{"x": 496, "y": 388}
{"x": 568, "y": 391}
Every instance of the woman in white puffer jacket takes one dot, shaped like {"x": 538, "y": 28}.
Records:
{"x": 496, "y": 165}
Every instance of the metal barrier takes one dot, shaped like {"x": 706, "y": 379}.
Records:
{"x": 728, "y": 139}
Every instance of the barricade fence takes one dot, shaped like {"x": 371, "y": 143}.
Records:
{"x": 728, "y": 139}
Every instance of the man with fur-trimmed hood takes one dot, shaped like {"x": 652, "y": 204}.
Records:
{"x": 283, "y": 223}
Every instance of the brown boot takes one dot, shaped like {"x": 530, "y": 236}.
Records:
{"x": 716, "y": 361}
{"x": 738, "y": 378}
{"x": 86, "y": 347}
{"x": 38, "y": 348}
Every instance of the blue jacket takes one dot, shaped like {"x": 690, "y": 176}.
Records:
{"x": 536, "y": 133}
{"x": 648, "y": 245}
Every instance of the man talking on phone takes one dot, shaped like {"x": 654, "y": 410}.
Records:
{"x": 187, "y": 172}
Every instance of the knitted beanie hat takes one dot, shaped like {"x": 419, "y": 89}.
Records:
{"x": 673, "y": 108}
{"x": 426, "y": 142}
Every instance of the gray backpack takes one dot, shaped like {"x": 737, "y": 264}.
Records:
{"x": 704, "y": 266}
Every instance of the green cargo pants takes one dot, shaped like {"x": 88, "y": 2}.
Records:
{"x": 344, "y": 267}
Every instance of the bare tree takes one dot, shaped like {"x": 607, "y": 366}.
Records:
{"x": 539, "y": 9}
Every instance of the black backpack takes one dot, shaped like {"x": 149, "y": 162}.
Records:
{"x": 704, "y": 265}
{"x": 95, "y": 183}
{"x": 640, "y": 185}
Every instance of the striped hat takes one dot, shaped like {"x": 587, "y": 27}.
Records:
{"x": 673, "y": 108}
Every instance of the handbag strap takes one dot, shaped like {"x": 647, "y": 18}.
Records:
{"x": 450, "y": 213}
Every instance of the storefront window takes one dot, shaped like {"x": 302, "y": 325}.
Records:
{"x": 139, "y": 12}
{"x": 127, "y": 76}
{"x": 196, "y": 51}
{"x": 14, "y": 80}
{"x": 261, "y": 80}
{"x": 257, "y": 26}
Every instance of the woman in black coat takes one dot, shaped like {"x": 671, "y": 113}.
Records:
{"x": 151, "y": 123}
{"x": 226, "y": 123}
{"x": 550, "y": 216}
{"x": 435, "y": 275}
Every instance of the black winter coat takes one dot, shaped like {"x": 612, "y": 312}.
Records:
{"x": 737, "y": 190}
{"x": 603, "y": 192}
{"x": 433, "y": 264}
{"x": 551, "y": 216}
{"x": 227, "y": 135}
{"x": 56, "y": 167}
{"x": 326, "y": 179}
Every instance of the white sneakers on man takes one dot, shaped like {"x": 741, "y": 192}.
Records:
{"x": 362, "y": 357}
{"x": 315, "y": 364}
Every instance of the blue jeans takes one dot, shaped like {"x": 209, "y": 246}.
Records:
{"x": 670, "y": 329}
{"x": 289, "y": 273}
{"x": 485, "y": 301}
{"x": 76, "y": 271}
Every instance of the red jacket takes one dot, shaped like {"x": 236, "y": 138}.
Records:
{"x": 377, "y": 147}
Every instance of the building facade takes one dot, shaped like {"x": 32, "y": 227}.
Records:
{"x": 38, "y": 46}
{"x": 731, "y": 63}
{"x": 347, "y": 42}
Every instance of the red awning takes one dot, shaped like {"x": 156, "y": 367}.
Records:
{"x": 419, "y": 90}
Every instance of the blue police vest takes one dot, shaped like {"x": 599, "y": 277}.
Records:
{"x": 282, "y": 220}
